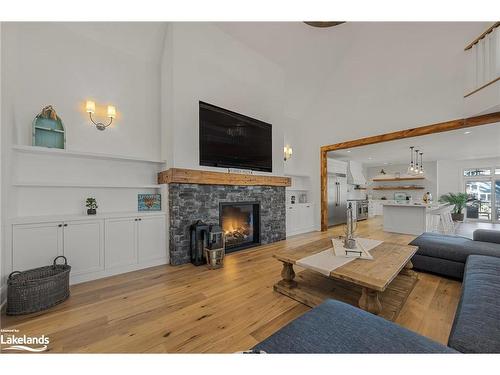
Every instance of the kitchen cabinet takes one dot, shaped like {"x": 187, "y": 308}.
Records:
{"x": 336, "y": 166}
{"x": 375, "y": 208}
{"x": 299, "y": 218}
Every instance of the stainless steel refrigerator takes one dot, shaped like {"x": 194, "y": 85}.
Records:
{"x": 337, "y": 198}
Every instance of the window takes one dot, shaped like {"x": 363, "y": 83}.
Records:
{"x": 475, "y": 172}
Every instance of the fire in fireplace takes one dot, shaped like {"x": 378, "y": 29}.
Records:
{"x": 240, "y": 223}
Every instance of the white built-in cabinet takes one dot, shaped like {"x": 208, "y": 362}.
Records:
{"x": 151, "y": 238}
{"x": 134, "y": 240}
{"x": 121, "y": 242}
{"x": 83, "y": 246}
{"x": 35, "y": 245}
{"x": 299, "y": 218}
{"x": 94, "y": 247}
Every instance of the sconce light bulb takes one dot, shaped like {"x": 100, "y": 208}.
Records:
{"x": 90, "y": 106}
{"x": 111, "y": 111}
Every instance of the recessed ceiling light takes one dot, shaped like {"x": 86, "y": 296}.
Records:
{"x": 467, "y": 132}
{"x": 348, "y": 150}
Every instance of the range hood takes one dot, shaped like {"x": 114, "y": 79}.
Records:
{"x": 355, "y": 174}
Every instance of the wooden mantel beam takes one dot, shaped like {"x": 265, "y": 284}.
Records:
{"x": 192, "y": 176}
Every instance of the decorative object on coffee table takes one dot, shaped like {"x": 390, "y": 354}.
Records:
{"x": 48, "y": 129}
{"x": 38, "y": 289}
{"x": 91, "y": 205}
{"x": 459, "y": 201}
{"x": 350, "y": 228}
{"x": 149, "y": 202}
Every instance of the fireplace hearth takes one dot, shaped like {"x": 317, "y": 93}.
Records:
{"x": 240, "y": 222}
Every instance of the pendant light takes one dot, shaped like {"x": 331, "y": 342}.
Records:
{"x": 411, "y": 168}
{"x": 416, "y": 161}
{"x": 421, "y": 163}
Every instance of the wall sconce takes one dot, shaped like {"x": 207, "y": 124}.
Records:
{"x": 287, "y": 151}
{"x": 90, "y": 109}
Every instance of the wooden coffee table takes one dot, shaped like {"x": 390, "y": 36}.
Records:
{"x": 380, "y": 286}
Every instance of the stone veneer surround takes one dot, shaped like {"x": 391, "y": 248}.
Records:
{"x": 190, "y": 202}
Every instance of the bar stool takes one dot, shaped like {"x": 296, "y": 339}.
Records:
{"x": 447, "y": 223}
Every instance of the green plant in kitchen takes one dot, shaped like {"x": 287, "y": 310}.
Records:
{"x": 91, "y": 205}
{"x": 458, "y": 200}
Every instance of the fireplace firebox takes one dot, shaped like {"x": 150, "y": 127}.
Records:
{"x": 240, "y": 222}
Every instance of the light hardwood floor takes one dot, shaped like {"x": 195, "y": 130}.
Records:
{"x": 193, "y": 309}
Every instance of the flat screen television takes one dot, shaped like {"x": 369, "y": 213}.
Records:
{"x": 231, "y": 140}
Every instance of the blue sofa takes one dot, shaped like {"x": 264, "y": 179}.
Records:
{"x": 446, "y": 255}
{"x": 335, "y": 327}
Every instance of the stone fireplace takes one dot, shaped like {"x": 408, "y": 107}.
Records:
{"x": 258, "y": 215}
{"x": 240, "y": 222}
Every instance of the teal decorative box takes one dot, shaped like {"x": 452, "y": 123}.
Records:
{"x": 149, "y": 202}
{"x": 48, "y": 129}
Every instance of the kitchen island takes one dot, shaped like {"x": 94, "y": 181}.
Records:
{"x": 408, "y": 218}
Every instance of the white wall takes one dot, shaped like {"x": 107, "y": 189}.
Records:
{"x": 201, "y": 62}
{"x": 450, "y": 173}
{"x": 65, "y": 64}
{"x": 381, "y": 77}
{"x": 430, "y": 183}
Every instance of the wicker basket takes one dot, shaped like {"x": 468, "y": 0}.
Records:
{"x": 38, "y": 289}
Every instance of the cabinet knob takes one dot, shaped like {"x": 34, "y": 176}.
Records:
{"x": 140, "y": 219}
{"x": 65, "y": 225}
{"x": 60, "y": 225}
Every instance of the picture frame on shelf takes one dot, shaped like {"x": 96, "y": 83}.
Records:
{"x": 149, "y": 202}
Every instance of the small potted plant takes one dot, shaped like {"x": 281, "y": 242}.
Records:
{"x": 91, "y": 205}
{"x": 459, "y": 200}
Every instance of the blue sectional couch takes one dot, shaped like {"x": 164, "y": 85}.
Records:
{"x": 476, "y": 328}
{"x": 335, "y": 327}
{"x": 446, "y": 255}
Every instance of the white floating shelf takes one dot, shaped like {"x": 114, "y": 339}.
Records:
{"x": 81, "y": 154}
{"x": 76, "y": 185}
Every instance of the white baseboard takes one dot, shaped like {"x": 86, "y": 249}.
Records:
{"x": 302, "y": 231}
{"x": 116, "y": 271}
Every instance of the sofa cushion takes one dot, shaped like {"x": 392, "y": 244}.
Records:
{"x": 476, "y": 328}
{"x": 453, "y": 248}
{"x": 438, "y": 266}
{"x": 486, "y": 235}
{"x": 336, "y": 327}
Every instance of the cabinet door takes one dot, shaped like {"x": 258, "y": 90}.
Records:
{"x": 291, "y": 219}
{"x": 35, "y": 245}
{"x": 307, "y": 217}
{"x": 151, "y": 238}
{"x": 83, "y": 246}
{"x": 120, "y": 247}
